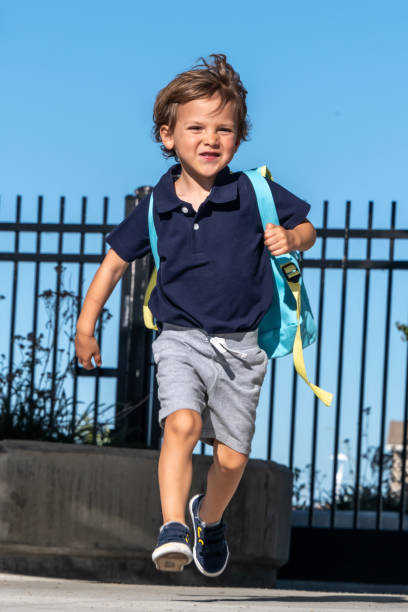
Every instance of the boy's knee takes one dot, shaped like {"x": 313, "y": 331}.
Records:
{"x": 228, "y": 459}
{"x": 185, "y": 424}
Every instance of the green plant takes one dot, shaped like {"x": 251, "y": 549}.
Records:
{"x": 33, "y": 401}
{"x": 346, "y": 493}
{"x": 404, "y": 329}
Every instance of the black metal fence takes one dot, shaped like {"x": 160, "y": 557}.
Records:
{"x": 345, "y": 265}
{"x": 357, "y": 530}
{"x": 42, "y": 409}
{"x": 342, "y": 308}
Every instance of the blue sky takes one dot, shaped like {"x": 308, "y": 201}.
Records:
{"x": 328, "y": 99}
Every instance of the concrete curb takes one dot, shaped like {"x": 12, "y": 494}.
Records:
{"x": 87, "y": 512}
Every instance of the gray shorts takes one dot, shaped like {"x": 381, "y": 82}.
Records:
{"x": 217, "y": 375}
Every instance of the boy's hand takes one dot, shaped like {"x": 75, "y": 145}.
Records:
{"x": 87, "y": 347}
{"x": 279, "y": 240}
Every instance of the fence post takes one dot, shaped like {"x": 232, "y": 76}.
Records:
{"x": 136, "y": 412}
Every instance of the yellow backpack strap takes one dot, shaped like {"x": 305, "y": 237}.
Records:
{"x": 147, "y": 313}
{"x": 264, "y": 170}
{"x": 298, "y": 360}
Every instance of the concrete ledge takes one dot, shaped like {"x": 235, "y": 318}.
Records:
{"x": 87, "y": 512}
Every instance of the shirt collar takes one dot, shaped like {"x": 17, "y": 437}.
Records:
{"x": 165, "y": 197}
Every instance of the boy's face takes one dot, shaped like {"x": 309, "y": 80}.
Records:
{"x": 205, "y": 141}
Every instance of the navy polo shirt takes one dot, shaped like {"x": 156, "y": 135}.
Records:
{"x": 214, "y": 270}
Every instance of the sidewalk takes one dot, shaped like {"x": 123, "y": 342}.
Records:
{"x": 28, "y": 593}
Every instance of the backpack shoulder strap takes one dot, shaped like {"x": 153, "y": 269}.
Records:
{"x": 153, "y": 233}
{"x": 264, "y": 197}
{"x": 289, "y": 270}
{"x": 147, "y": 314}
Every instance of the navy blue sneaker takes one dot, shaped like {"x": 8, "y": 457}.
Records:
{"x": 172, "y": 551}
{"x": 210, "y": 549}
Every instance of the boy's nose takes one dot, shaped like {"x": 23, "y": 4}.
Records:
{"x": 211, "y": 137}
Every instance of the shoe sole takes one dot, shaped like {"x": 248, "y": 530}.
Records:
{"x": 172, "y": 557}
{"x": 196, "y": 561}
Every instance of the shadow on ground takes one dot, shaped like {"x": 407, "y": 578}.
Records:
{"x": 389, "y": 599}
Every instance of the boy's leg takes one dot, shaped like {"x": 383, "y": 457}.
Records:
{"x": 223, "y": 479}
{"x": 182, "y": 430}
{"x": 210, "y": 549}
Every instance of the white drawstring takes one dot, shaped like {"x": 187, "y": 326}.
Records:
{"x": 222, "y": 347}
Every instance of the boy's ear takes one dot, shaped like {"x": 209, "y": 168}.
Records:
{"x": 166, "y": 137}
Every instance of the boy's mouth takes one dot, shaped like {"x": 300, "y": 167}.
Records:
{"x": 209, "y": 155}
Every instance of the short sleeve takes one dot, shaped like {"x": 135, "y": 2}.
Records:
{"x": 291, "y": 209}
{"x": 130, "y": 239}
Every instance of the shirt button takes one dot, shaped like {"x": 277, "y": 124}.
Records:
{"x": 185, "y": 209}
{"x": 196, "y": 226}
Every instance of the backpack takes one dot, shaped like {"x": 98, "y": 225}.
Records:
{"x": 288, "y": 325}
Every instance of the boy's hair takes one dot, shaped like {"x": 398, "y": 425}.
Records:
{"x": 202, "y": 81}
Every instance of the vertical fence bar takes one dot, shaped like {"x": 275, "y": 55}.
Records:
{"x": 95, "y": 425}
{"x": 385, "y": 373}
{"x": 56, "y": 314}
{"x": 134, "y": 346}
{"x": 13, "y": 315}
{"x": 340, "y": 364}
{"x": 152, "y": 412}
{"x": 153, "y": 427}
{"x": 404, "y": 453}
{"x": 293, "y": 419}
{"x": 271, "y": 408}
{"x": 356, "y": 503}
{"x": 125, "y": 330}
{"x": 35, "y": 305}
{"x": 79, "y": 305}
{"x": 318, "y": 354}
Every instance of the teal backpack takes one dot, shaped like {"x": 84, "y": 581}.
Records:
{"x": 288, "y": 325}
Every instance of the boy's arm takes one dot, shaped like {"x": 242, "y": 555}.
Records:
{"x": 280, "y": 240}
{"x": 108, "y": 274}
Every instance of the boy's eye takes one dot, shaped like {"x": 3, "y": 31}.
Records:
{"x": 198, "y": 127}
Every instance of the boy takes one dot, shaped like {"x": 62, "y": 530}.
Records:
{"x": 214, "y": 285}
